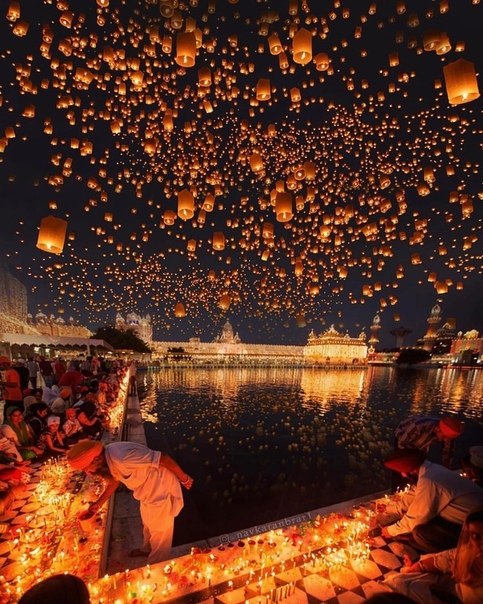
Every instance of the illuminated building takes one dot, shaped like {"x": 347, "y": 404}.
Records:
{"x": 467, "y": 347}
{"x": 140, "y": 325}
{"x": 430, "y": 336}
{"x": 228, "y": 348}
{"x": 375, "y": 327}
{"x": 332, "y": 347}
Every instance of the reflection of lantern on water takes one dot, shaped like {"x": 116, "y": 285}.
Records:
{"x": 179, "y": 310}
{"x": 218, "y": 241}
{"x": 283, "y": 207}
{"x": 52, "y": 234}
{"x": 461, "y": 83}
{"x": 186, "y": 204}
{"x": 302, "y": 46}
{"x": 185, "y": 49}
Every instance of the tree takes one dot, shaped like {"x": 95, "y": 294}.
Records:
{"x": 400, "y": 333}
{"x": 119, "y": 339}
{"x": 411, "y": 356}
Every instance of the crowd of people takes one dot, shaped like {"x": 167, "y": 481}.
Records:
{"x": 440, "y": 514}
{"x": 38, "y": 422}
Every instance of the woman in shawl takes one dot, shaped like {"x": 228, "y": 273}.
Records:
{"x": 36, "y": 418}
{"x": 21, "y": 434}
{"x": 457, "y": 571}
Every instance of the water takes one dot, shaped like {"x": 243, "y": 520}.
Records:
{"x": 267, "y": 443}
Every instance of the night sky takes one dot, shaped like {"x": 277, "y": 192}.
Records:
{"x": 102, "y": 127}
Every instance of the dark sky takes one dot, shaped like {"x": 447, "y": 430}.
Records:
{"x": 361, "y": 123}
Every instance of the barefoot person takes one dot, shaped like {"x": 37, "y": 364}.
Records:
{"x": 154, "y": 478}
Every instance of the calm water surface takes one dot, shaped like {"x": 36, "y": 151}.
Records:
{"x": 266, "y": 443}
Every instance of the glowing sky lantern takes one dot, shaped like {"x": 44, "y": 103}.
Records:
{"x": 185, "y": 49}
{"x": 186, "y": 204}
{"x": 461, "y": 82}
{"x": 302, "y": 46}
{"x": 51, "y": 236}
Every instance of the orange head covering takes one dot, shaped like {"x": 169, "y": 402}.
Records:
{"x": 405, "y": 460}
{"x": 450, "y": 427}
{"x": 83, "y": 454}
{"x": 65, "y": 393}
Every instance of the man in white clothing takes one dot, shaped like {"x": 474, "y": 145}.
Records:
{"x": 152, "y": 476}
{"x": 434, "y": 510}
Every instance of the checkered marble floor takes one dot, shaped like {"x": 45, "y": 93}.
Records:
{"x": 306, "y": 584}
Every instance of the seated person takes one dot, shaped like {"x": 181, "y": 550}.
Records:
{"x": 72, "y": 428}
{"x": 8, "y": 451}
{"x": 435, "y": 509}
{"x": 60, "y": 404}
{"x": 21, "y": 434}
{"x": 458, "y": 571}
{"x": 51, "y": 437}
{"x": 89, "y": 419}
{"x": 35, "y": 418}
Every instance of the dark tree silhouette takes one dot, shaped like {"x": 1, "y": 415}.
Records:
{"x": 400, "y": 333}
{"x": 121, "y": 340}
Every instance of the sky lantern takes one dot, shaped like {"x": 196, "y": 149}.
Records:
{"x": 283, "y": 206}
{"x": 204, "y": 76}
{"x": 218, "y": 241}
{"x": 322, "y": 61}
{"x": 13, "y": 11}
{"x": 461, "y": 83}
{"x": 186, "y": 204}
{"x": 224, "y": 302}
{"x": 302, "y": 46}
{"x": 185, "y": 49}
{"x": 256, "y": 163}
{"x": 274, "y": 44}
{"x": 263, "y": 91}
{"x": 441, "y": 287}
{"x": 51, "y": 236}
{"x": 209, "y": 203}
{"x": 179, "y": 310}
{"x": 169, "y": 217}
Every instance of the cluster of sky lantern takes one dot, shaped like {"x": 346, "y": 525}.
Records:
{"x": 279, "y": 157}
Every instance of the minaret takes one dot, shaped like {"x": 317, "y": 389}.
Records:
{"x": 433, "y": 320}
{"x": 375, "y": 327}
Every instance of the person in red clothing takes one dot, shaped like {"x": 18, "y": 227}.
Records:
{"x": 11, "y": 384}
{"x": 59, "y": 369}
{"x": 71, "y": 379}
